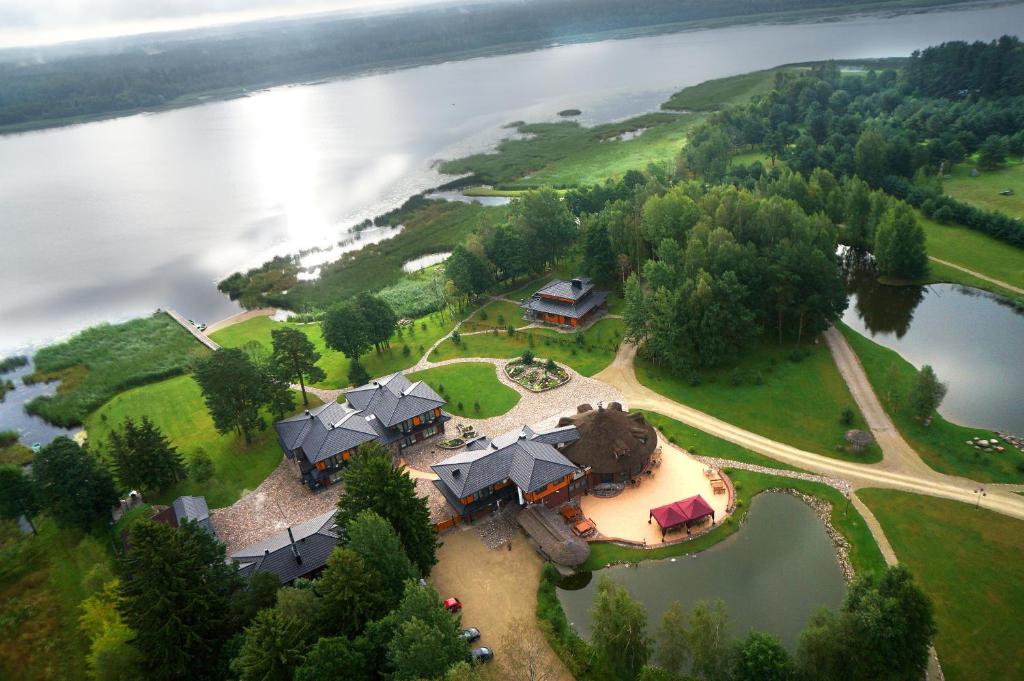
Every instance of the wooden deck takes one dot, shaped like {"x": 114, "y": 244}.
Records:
{"x": 200, "y": 336}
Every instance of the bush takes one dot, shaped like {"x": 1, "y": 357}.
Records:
{"x": 501, "y": 320}
{"x": 580, "y": 340}
{"x": 200, "y": 467}
{"x": 527, "y": 357}
{"x": 510, "y": 330}
{"x": 695, "y": 380}
{"x": 8, "y": 438}
{"x": 460, "y": 406}
{"x": 476, "y": 406}
{"x": 735, "y": 379}
{"x": 483, "y": 314}
{"x": 456, "y": 337}
{"x": 846, "y": 418}
{"x": 758, "y": 378}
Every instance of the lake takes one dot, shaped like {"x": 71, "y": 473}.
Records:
{"x": 973, "y": 339}
{"x": 112, "y": 219}
{"x": 772, "y": 574}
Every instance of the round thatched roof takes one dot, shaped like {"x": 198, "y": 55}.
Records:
{"x": 612, "y": 441}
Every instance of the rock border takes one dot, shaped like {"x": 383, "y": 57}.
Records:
{"x": 519, "y": 361}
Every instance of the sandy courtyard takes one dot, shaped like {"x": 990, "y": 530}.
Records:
{"x": 495, "y": 586}
{"x": 678, "y": 477}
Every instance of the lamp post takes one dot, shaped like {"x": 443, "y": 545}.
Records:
{"x": 847, "y": 495}
{"x": 980, "y": 492}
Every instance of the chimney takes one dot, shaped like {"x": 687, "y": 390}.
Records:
{"x": 576, "y": 283}
{"x": 295, "y": 549}
{"x": 456, "y": 473}
{"x": 307, "y": 413}
{"x": 522, "y": 436}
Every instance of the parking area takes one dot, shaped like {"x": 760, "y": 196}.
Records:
{"x": 496, "y": 586}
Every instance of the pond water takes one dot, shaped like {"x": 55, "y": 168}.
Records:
{"x": 460, "y": 195}
{"x": 417, "y": 264}
{"x": 110, "y": 220}
{"x": 31, "y": 429}
{"x": 974, "y": 340}
{"x": 772, "y": 574}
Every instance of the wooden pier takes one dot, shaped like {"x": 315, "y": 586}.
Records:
{"x": 191, "y": 328}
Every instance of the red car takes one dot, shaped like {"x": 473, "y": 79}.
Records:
{"x": 453, "y": 605}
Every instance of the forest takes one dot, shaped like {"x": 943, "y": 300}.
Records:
{"x": 43, "y": 86}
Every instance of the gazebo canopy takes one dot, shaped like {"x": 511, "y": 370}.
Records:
{"x": 683, "y": 511}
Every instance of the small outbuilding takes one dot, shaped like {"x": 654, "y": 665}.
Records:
{"x": 683, "y": 513}
{"x": 614, "y": 444}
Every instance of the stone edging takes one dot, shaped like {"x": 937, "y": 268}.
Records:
{"x": 823, "y": 510}
{"x": 568, "y": 375}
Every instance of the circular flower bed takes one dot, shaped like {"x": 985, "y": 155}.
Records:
{"x": 536, "y": 376}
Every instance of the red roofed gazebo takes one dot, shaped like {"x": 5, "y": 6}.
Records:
{"x": 681, "y": 513}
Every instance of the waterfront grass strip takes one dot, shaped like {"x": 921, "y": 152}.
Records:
{"x": 787, "y": 393}
{"x": 942, "y": 444}
{"x": 971, "y": 563}
{"x": 103, "y": 360}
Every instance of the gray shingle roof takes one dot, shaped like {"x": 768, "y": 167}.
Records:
{"x": 314, "y": 541}
{"x": 194, "y": 509}
{"x": 575, "y": 310}
{"x": 559, "y": 288}
{"x": 521, "y": 455}
{"x": 325, "y": 431}
{"x": 394, "y": 399}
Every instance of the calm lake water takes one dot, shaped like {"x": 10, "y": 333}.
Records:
{"x": 772, "y": 574}
{"x": 110, "y": 220}
{"x": 973, "y": 340}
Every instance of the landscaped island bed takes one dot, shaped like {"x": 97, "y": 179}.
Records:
{"x": 942, "y": 444}
{"x": 971, "y": 563}
{"x": 797, "y": 402}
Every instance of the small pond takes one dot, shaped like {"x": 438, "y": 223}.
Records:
{"x": 417, "y": 264}
{"x": 30, "y": 429}
{"x": 459, "y": 195}
{"x": 772, "y": 574}
{"x": 974, "y": 340}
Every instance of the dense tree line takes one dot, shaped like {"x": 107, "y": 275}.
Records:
{"x": 38, "y": 85}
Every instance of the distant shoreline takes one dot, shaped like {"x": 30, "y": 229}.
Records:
{"x": 343, "y": 73}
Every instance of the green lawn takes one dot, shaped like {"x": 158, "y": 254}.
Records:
{"x": 468, "y": 384}
{"x": 103, "y": 360}
{"x": 983, "y": 191}
{"x": 565, "y": 154}
{"x": 704, "y": 444}
{"x": 596, "y": 352}
{"x": 942, "y": 444}
{"x": 42, "y": 583}
{"x": 496, "y": 315}
{"x": 712, "y": 95}
{"x": 176, "y": 406}
{"x": 335, "y": 365}
{"x": 975, "y": 251}
{"x": 864, "y": 553}
{"x": 16, "y": 454}
{"x": 971, "y": 563}
{"x": 799, "y": 403}
{"x": 939, "y": 273}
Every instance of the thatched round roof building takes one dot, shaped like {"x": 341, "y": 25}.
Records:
{"x": 615, "y": 444}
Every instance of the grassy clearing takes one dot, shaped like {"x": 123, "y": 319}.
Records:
{"x": 335, "y": 365}
{"x": 468, "y": 384}
{"x": 864, "y": 553}
{"x": 101, "y": 361}
{"x": 971, "y": 562}
{"x": 176, "y": 406}
{"x": 42, "y": 583}
{"x": 568, "y": 154}
{"x": 975, "y": 251}
{"x": 941, "y": 445}
{"x": 595, "y": 353}
{"x": 437, "y": 226}
{"x": 983, "y": 191}
{"x": 15, "y": 454}
{"x": 704, "y": 444}
{"x": 713, "y": 95}
{"x": 799, "y": 403}
{"x": 496, "y": 315}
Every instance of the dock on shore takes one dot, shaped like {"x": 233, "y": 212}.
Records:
{"x": 191, "y": 328}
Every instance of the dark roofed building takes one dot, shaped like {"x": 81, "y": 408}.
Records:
{"x": 390, "y": 410}
{"x": 187, "y": 508}
{"x": 614, "y": 444}
{"x": 569, "y": 303}
{"x": 521, "y": 466}
{"x": 299, "y": 551}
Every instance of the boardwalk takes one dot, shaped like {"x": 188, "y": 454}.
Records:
{"x": 200, "y": 336}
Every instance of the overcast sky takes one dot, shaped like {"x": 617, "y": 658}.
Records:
{"x": 38, "y": 22}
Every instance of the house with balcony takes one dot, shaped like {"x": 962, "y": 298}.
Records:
{"x": 391, "y": 410}
{"x": 567, "y": 303}
{"x": 520, "y": 467}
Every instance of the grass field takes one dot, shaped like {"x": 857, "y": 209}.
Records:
{"x": 704, "y": 444}
{"x": 983, "y": 191}
{"x": 439, "y": 226}
{"x": 975, "y": 251}
{"x": 864, "y": 553}
{"x": 335, "y": 365}
{"x": 470, "y": 384}
{"x": 103, "y": 360}
{"x": 176, "y": 406}
{"x": 42, "y": 583}
{"x": 15, "y": 454}
{"x": 496, "y": 315}
{"x": 941, "y": 445}
{"x": 971, "y": 562}
{"x": 713, "y": 95}
{"x": 597, "y": 351}
{"x": 567, "y": 154}
{"x": 799, "y": 403}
